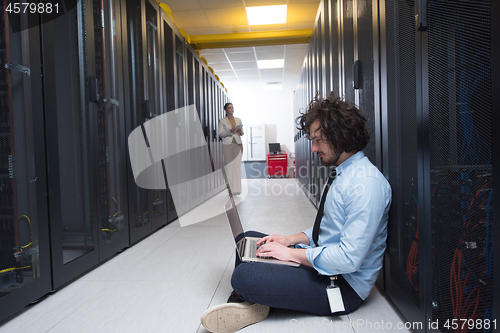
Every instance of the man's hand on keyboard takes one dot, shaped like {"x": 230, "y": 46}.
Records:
{"x": 274, "y": 250}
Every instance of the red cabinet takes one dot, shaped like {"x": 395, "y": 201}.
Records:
{"x": 277, "y": 165}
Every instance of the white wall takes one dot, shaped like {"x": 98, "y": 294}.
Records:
{"x": 272, "y": 108}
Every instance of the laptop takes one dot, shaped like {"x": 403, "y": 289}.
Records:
{"x": 246, "y": 247}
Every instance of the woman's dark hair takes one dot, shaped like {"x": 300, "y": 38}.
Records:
{"x": 226, "y": 105}
{"x": 342, "y": 125}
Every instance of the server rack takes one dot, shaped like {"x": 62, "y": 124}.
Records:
{"x": 425, "y": 87}
{"x": 104, "y": 69}
{"x": 168, "y": 90}
{"x": 448, "y": 265}
{"x": 154, "y": 34}
{"x": 72, "y": 90}
{"x": 71, "y": 137}
{"x": 24, "y": 237}
{"x": 138, "y": 111}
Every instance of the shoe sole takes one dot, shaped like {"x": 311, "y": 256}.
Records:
{"x": 231, "y": 317}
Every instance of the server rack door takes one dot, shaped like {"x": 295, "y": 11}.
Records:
{"x": 325, "y": 41}
{"x": 24, "y": 232}
{"x": 110, "y": 132}
{"x": 461, "y": 163}
{"x": 199, "y": 156}
{"x": 215, "y": 132}
{"x": 402, "y": 267}
{"x": 180, "y": 135}
{"x": 210, "y": 132}
{"x": 71, "y": 139}
{"x": 169, "y": 91}
{"x": 201, "y": 107}
{"x": 364, "y": 55}
{"x": 348, "y": 50}
{"x": 139, "y": 111}
{"x": 334, "y": 51}
{"x": 158, "y": 196}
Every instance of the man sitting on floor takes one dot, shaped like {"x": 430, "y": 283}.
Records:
{"x": 347, "y": 241}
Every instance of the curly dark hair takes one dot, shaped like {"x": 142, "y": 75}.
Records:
{"x": 342, "y": 125}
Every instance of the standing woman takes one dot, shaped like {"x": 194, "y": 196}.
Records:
{"x": 230, "y": 131}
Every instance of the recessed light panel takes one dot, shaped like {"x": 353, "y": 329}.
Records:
{"x": 266, "y": 15}
{"x": 273, "y": 63}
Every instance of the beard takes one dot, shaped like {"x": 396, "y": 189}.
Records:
{"x": 330, "y": 160}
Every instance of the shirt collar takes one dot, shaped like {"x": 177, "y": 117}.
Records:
{"x": 350, "y": 161}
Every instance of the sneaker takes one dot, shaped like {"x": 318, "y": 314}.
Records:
{"x": 232, "y": 317}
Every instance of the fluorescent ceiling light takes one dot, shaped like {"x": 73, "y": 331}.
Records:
{"x": 266, "y": 15}
{"x": 273, "y": 63}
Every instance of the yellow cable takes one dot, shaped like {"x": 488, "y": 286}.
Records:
{"x": 25, "y": 246}
{"x": 29, "y": 221}
{"x": 110, "y": 230}
{"x": 13, "y": 269}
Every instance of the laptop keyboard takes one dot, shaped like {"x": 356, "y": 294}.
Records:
{"x": 252, "y": 243}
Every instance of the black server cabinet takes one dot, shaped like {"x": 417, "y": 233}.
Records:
{"x": 71, "y": 139}
{"x": 105, "y": 75}
{"x": 197, "y": 186}
{"x": 400, "y": 159}
{"x": 168, "y": 91}
{"x": 147, "y": 208}
{"x": 438, "y": 154}
{"x": 180, "y": 135}
{"x": 24, "y": 239}
{"x": 209, "y": 134}
{"x": 159, "y": 198}
{"x": 457, "y": 95}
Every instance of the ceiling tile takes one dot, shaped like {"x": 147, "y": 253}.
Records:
{"x": 241, "y": 56}
{"x": 227, "y": 17}
{"x": 191, "y": 19}
{"x": 247, "y": 72}
{"x": 239, "y": 49}
{"x": 245, "y": 65}
{"x": 270, "y": 48}
{"x": 218, "y": 67}
{"x": 176, "y": 5}
{"x": 214, "y": 58}
{"x": 211, "y": 4}
{"x": 304, "y": 12}
{"x": 271, "y": 72}
{"x": 270, "y": 55}
{"x": 211, "y": 51}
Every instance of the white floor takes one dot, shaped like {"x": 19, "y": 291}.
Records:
{"x": 165, "y": 282}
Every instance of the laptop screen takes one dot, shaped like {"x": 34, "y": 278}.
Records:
{"x": 234, "y": 219}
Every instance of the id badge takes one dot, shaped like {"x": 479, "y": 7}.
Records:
{"x": 334, "y": 296}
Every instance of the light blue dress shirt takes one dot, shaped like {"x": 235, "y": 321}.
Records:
{"x": 353, "y": 231}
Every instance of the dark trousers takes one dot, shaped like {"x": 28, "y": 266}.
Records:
{"x": 285, "y": 287}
